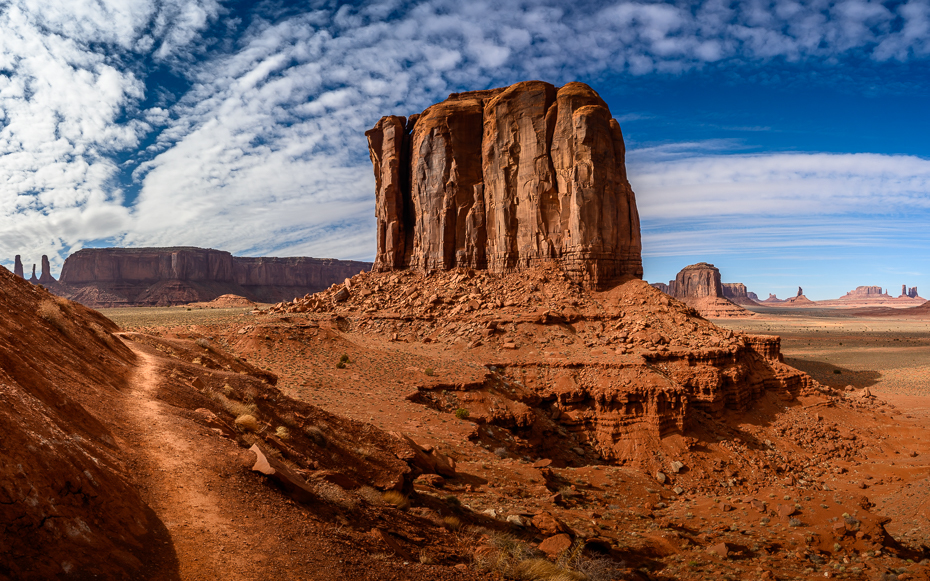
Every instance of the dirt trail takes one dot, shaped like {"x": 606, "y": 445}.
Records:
{"x": 178, "y": 489}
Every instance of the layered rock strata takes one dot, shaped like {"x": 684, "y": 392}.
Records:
{"x": 503, "y": 179}
{"x": 103, "y": 277}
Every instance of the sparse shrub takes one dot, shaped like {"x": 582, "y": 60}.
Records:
{"x": 425, "y": 558}
{"x": 429, "y": 371}
{"x": 344, "y": 358}
{"x": 795, "y": 522}
{"x": 203, "y": 343}
{"x": 247, "y": 423}
{"x": 51, "y": 313}
{"x": 282, "y": 433}
{"x": 837, "y": 371}
{"x": 453, "y": 523}
{"x": 461, "y": 413}
{"x": 500, "y": 452}
{"x": 453, "y": 501}
{"x": 341, "y": 365}
{"x": 234, "y": 407}
{"x": 396, "y": 498}
{"x": 289, "y": 420}
{"x": 317, "y": 435}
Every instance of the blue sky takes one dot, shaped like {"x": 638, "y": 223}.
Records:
{"x": 786, "y": 142}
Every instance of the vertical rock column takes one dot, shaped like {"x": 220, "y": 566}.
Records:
{"x": 46, "y": 277}
{"x": 387, "y": 147}
{"x": 18, "y": 267}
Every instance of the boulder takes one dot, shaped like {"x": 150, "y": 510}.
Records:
{"x": 503, "y": 178}
{"x": 292, "y": 484}
{"x": 556, "y": 544}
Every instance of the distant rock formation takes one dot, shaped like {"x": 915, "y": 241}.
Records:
{"x": 107, "y": 277}
{"x": 737, "y": 292}
{"x": 34, "y": 279}
{"x": 800, "y": 292}
{"x": 773, "y": 299}
{"x": 908, "y": 292}
{"x": 46, "y": 278}
{"x": 699, "y": 286}
{"x": 866, "y": 292}
{"x": 503, "y": 178}
{"x": 18, "y": 267}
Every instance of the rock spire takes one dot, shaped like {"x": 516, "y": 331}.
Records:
{"x": 18, "y": 267}
{"x": 46, "y": 277}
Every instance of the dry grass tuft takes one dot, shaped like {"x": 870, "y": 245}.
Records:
{"x": 453, "y": 523}
{"x": 514, "y": 559}
{"x": 317, "y": 435}
{"x": 396, "y": 498}
{"x": 236, "y": 408}
{"x": 282, "y": 433}
{"x": 51, "y": 313}
{"x": 247, "y": 423}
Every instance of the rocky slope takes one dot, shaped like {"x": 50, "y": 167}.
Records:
{"x": 585, "y": 361}
{"x": 111, "y": 277}
{"x": 65, "y": 502}
{"x": 504, "y": 178}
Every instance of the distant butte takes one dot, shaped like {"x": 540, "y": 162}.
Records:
{"x": 113, "y": 277}
{"x": 699, "y": 286}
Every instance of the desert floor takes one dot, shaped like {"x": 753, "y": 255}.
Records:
{"x": 660, "y": 534}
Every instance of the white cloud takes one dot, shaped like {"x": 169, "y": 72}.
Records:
{"x": 266, "y": 152}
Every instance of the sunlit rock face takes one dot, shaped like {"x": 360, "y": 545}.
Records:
{"x": 503, "y": 178}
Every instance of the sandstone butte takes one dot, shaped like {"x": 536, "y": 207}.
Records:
{"x": 113, "y": 277}
{"x": 699, "y": 286}
{"x": 505, "y": 178}
{"x": 498, "y": 243}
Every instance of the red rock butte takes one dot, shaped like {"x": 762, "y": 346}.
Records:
{"x": 504, "y": 178}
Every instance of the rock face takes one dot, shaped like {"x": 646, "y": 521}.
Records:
{"x": 698, "y": 280}
{"x": 504, "y": 178}
{"x": 18, "y": 267}
{"x": 34, "y": 279}
{"x": 102, "y": 277}
{"x": 912, "y": 292}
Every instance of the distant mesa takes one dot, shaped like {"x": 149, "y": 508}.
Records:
{"x": 505, "y": 178}
{"x": 860, "y": 297}
{"x": 114, "y": 277}
{"x": 699, "y": 286}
